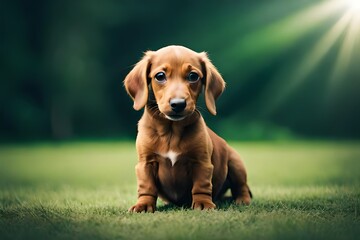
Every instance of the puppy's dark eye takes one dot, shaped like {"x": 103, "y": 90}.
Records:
{"x": 193, "y": 77}
{"x": 160, "y": 77}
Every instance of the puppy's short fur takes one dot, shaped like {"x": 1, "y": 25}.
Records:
{"x": 180, "y": 159}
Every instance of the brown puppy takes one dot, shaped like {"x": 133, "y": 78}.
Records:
{"x": 180, "y": 159}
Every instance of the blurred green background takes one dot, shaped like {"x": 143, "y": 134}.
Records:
{"x": 291, "y": 67}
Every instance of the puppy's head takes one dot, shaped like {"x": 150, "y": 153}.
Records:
{"x": 176, "y": 75}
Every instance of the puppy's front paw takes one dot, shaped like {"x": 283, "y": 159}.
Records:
{"x": 144, "y": 204}
{"x": 244, "y": 200}
{"x": 202, "y": 202}
{"x": 203, "y": 205}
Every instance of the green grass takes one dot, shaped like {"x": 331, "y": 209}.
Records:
{"x": 82, "y": 190}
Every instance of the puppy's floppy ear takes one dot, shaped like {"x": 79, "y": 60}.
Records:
{"x": 214, "y": 83}
{"x": 136, "y": 82}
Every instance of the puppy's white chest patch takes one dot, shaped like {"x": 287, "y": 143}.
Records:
{"x": 170, "y": 155}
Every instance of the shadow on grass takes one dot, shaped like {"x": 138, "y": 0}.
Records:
{"x": 223, "y": 204}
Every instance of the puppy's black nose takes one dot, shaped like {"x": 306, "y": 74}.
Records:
{"x": 178, "y": 104}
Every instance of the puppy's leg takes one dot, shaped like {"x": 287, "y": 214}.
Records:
{"x": 147, "y": 191}
{"x": 237, "y": 174}
{"x": 202, "y": 186}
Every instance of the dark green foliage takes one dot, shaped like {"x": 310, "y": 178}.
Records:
{"x": 62, "y": 64}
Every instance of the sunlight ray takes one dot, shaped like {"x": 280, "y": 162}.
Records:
{"x": 346, "y": 53}
{"x": 284, "y": 33}
{"x": 318, "y": 52}
{"x": 312, "y": 60}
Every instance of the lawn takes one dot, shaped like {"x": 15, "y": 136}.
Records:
{"x": 82, "y": 190}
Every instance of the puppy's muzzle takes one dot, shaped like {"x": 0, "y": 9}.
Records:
{"x": 178, "y": 106}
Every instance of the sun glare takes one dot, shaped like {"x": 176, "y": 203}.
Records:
{"x": 354, "y": 5}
